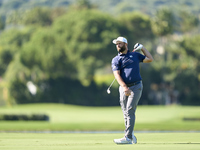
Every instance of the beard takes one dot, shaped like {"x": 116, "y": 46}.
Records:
{"x": 122, "y": 49}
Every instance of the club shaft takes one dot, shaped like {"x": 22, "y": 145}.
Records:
{"x": 111, "y": 83}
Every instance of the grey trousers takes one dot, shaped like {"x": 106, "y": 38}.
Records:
{"x": 129, "y": 105}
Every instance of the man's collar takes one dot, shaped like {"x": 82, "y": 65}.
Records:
{"x": 121, "y": 54}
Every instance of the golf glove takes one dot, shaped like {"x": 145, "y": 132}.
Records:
{"x": 137, "y": 46}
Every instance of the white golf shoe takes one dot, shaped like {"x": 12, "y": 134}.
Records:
{"x": 123, "y": 140}
{"x": 134, "y": 139}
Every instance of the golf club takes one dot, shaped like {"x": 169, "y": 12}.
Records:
{"x": 108, "y": 90}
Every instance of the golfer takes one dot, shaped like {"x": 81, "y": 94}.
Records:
{"x": 125, "y": 67}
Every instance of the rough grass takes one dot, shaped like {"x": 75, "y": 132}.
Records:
{"x": 78, "y": 118}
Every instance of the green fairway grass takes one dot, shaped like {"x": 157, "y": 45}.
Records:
{"x": 88, "y": 141}
{"x": 80, "y": 118}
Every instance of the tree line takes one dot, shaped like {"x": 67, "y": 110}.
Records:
{"x": 60, "y": 51}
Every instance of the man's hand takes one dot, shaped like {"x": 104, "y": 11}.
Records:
{"x": 137, "y": 46}
{"x": 127, "y": 91}
{"x": 119, "y": 79}
{"x": 148, "y": 57}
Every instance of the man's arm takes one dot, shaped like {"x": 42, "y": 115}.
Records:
{"x": 148, "y": 57}
{"x": 121, "y": 82}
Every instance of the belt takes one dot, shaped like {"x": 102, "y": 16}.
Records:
{"x": 132, "y": 84}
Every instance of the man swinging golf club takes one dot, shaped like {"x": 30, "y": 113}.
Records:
{"x": 125, "y": 67}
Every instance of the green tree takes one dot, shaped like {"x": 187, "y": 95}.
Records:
{"x": 188, "y": 78}
{"x": 16, "y": 78}
{"x": 186, "y": 21}
{"x": 88, "y": 38}
{"x": 35, "y": 16}
{"x": 123, "y": 7}
{"x": 45, "y": 51}
{"x": 2, "y": 23}
{"x": 178, "y": 69}
{"x": 11, "y": 42}
{"x": 38, "y": 16}
{"x": 73, "y": 48}
{"x": 162, "y": 23}
{"x": 83, "y": 4}
{"x": 135, "y": 26}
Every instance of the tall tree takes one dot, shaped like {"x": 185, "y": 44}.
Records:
{"x": 88, "y": 38}
{"x": 162, "y": 23}
{"x": 186, "y": 21}
{"x": 135, "y": 26}
{"x": 11, "y": 44}
{"x": 38, "y": 16}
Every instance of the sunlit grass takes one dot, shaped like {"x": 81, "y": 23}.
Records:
{"x": 87, "y": 141}
{"x": 79, "y": 118}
